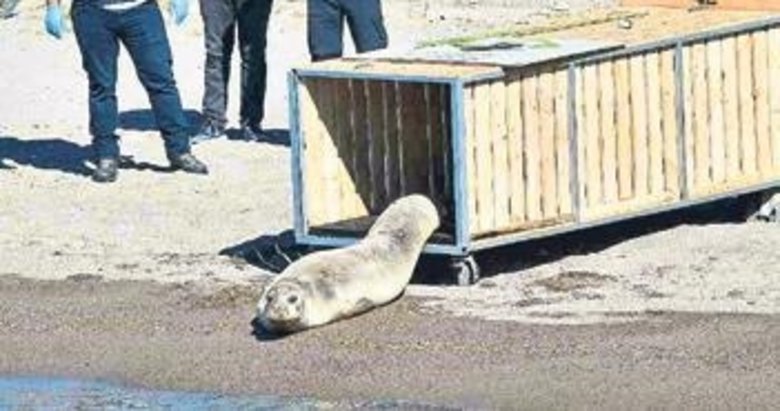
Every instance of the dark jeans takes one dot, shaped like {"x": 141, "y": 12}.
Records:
{"x": 220, "y": 18}
{"x": 141, "y": 30}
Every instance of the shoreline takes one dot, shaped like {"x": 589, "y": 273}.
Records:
{"x": 178, "y": 337}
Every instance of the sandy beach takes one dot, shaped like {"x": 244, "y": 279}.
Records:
{"x": 144, "y": 282}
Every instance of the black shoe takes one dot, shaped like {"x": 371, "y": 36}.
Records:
{"x": 188, "y": 163}
{"x": 208, "y": 131}
{"x": 106, "y": 170}
{"x": 252, "y": 133}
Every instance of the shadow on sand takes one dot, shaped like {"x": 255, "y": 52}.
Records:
{"x": 46, "y": 154}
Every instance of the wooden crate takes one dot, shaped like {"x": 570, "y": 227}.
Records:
{"x": 509, "y": 153}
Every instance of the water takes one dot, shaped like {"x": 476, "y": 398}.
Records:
{"x": 21, "y": 393}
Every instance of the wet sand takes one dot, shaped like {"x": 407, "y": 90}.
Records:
{"x": 191, "y": 337}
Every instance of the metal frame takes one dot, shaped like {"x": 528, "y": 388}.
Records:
{"x": 464, "y": 245}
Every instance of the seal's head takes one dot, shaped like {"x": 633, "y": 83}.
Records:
{"x": 282, "y": 307}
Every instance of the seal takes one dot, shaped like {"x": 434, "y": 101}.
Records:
{"x": 330, "y": 285}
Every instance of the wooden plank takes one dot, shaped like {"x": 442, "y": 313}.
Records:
{"x": 439, "y": 148}
{"x": 624, "y": 126}
{"x": 514, "y": 118}
{"x": 655, "y": 132}
{"x": 330, "y": 139}
{"x": 639, "y": 122}
{"x": 563, "y": 161}
{"x": 498, "y": 134}
{"x": 360, "y": 135}
{"x": 747, "y": 116}
{"x": 392, "y": 165}
{"x": 470, "y": 131}
{"x": 715, "y": 99}
{"x": 533, "y": 206}
{"x": 432, "y": 137}
{"x": 606, "y": 85}
{"x": 774, "y": 97}
{"x": 580, "y": 142}
{"x": 343, "y": 115}
{"x": 592, "y": 137}
{"x": 700, "y": 116}
{"x": 414, "y": 141}
{"x": 445, "y": 117}
{"x": 688, "y": 107}
{"x": 731, "y": 108}
{"x": 669, "y": 117}
{"x": 761, "y": 95}
{"x": 312, "y": 129}
{"x": 547, "y": 144}
{"x": 376, "y": 144}
{"x": 485, "y": 206}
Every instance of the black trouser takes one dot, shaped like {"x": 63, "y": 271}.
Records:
{"x": 325, "y": 26}
{"x": 220, "y": 19}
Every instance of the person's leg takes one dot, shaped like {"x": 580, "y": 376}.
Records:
{"x": 142, "y": 31}
{"x": 99, "y": 49}
{"x": 325, "y": 29}
{"x": 219, "y": 23}
{"x": 253, "y": 18}
{"x": 366, "y": 24}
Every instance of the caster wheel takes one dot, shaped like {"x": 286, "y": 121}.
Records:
{"x": 465, "y": 270}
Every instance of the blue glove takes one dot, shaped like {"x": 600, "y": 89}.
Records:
{"x": 179, "y": 10}
{"x": 53, "y": 20}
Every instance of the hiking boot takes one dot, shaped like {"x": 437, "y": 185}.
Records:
{"x": 208, "y": 131}
{"x": 106, "y": 170}
{"x": 188, "y": 163}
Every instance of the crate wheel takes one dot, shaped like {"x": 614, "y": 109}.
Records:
{"x": 465, "y": 270}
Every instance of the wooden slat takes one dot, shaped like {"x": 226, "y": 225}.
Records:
{"x": 563, "y": 161}
{"x": 432, "y": 137}
{"x": 414, "y": 140}
{"x": 639, "y": 122}
{"x": 581, "y": 142}
{"x": 376, "y": 147}
{"x": 445, "y": 121}
{"x": 731, "y": 108}
{"x": 533, "y": 206}
{"x": 342, "y": 113}
{"x": 606, "y": 85}
{"x": 360, "y": 148}
{"x": 392, "y": 165}
{"x": 761, "y": 94}
{"x": 514, "y": 119}
{"x": 471, "y": 157}
{"x": 498, "y": 137}
{"x": 747, "y": 116}
{"x": 688, "y": 107}
{"x": 485, "y": 205}
{"x": 592, "y": 137}
{"x": 332, "y": 161}
{"x": 655, "y": 132}
{"x": 774, "y": 98}
{"x": 547, "y": 144}
{"x": 669, "y": 102}
{"x": 715, "y": 98}
{"x": 700, "y": 116}
{"x": 624, "y": 127}
{"x": 313, "y": 130}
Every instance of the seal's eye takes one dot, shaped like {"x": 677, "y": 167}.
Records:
{"x": 292, "y": 299}
{"x": 269, "y": 298}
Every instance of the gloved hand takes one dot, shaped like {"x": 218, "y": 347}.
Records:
{"x": 54, "y": 21}
{"x": 179, "y": 10}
